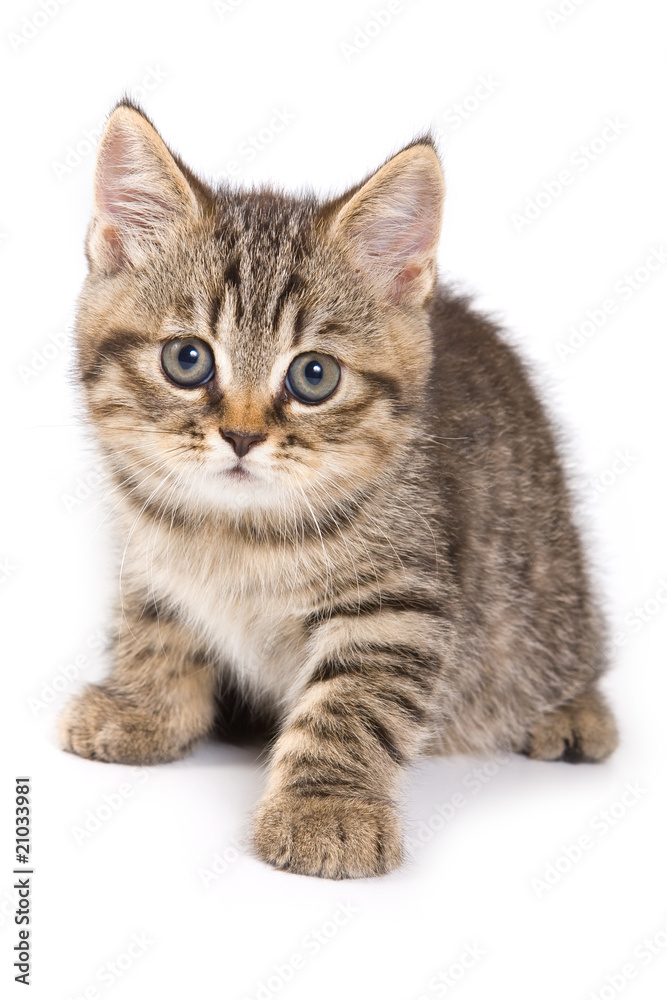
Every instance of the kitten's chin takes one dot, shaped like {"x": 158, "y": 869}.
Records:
{"x": 235, "y": 488}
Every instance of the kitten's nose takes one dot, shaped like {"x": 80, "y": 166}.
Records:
{"x": 242, "y": 443}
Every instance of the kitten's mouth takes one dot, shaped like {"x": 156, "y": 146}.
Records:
{"x": 238, "y": 472}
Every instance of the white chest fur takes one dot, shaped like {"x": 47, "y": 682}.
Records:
{"x": 244, "y": 602}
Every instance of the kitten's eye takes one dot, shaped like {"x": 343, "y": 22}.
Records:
{"x": 188, "y": 361}
{"x": 313, "y": 377}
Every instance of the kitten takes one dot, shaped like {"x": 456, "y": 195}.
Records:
{"x": 337, "y": 494}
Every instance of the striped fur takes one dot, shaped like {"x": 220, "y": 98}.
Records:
{"x": 392, "y": 572}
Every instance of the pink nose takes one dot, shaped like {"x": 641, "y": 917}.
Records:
{"x": 242, "y": 443}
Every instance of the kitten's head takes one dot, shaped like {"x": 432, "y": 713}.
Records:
{"x": 251, "y": 352}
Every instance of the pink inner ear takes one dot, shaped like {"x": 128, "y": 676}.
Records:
{"x": 401, "y": 236}
{"x": 130, "y": 188}
{"x": 114, "y": 243}
{"x": 114, "y": 168}
{"x": 402, "y": 284}
{"x": 396, "y": 233}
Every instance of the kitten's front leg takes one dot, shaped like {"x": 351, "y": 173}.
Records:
{"x": 329, "y": 808}
{"x": 158, "y": 700}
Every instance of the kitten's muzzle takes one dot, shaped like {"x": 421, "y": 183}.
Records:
{"x": 241, "y": 443}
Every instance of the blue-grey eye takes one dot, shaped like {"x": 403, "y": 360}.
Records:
{"x": 313, "y": 377}
{"x": 188, "y": 361}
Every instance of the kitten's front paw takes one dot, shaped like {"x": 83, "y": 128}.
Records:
{"x": 330, "y": 836}
{"x": 100, "y": 726}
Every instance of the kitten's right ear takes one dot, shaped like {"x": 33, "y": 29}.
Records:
{"x": 389, "y": 226}
{"x": 141, "y": 194}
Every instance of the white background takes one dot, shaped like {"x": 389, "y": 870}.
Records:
{"x": 211, "y": 80}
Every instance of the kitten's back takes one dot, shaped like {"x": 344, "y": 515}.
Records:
{"x": 505, "y": 514}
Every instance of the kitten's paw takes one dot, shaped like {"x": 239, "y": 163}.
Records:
{"x": 330, "y": 836}
{"x": 100, "y": 726}
{"x": 582, "y": 731}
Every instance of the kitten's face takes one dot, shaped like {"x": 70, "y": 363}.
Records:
{"x": 253, "y": 352}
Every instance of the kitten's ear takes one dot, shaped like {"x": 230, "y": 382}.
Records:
{"x": 390, "y": 226}
{"x": 141, "y": 194}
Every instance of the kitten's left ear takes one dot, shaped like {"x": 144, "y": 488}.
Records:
{"x": 390, "y": 226}
{"x": 141, "y": 193}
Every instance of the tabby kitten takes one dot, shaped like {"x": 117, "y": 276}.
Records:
{"x": 338, "y": 497}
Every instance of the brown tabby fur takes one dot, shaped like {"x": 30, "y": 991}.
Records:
{"x": 402, "y": 576}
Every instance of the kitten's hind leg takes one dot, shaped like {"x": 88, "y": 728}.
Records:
{"x": 157, "y": 702}
{"x": 581, "y": 731}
